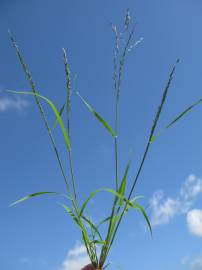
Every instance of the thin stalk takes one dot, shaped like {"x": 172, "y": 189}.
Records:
{"x": 43, "y": 115}
{"x": 122, "y": 61}
{"x": 116, "y": 160}
{"x": 90, "y": 251}
{"x": 158, "y": 114}
{"x": 87, "y": 248}
{"x": 94, "y": 244}
{"x": 116, "y": 54}
{"x": 72, "y": 174}
{"x": 68, "y": 86}
{"x": 117, "y": 85}
{"x": 159, "y": 111}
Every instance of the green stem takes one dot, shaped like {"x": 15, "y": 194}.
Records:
{"x": 68, "y": 87}
{"x": 43, "y": 115}
{"x": 117, "y": 86}
{"x": 159, "y": 111}
{"x": 72, "y": 175}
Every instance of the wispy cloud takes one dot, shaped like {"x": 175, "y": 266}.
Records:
{"x": 25, "y": 260}
{"x": 193, "y": 263}
{"x": 7, "y": 103}
{"x": 194, "y": 221}
{"x": 33, "y": 261}
{"x": 165, "y": 208}
{"x": 76, "y": 258}
{"x": 196, "y": 263}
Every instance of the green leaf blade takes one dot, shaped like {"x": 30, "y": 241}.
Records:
{"x": 33, "y": 195}
{"x": 60, "y": 113}
{"x": 142, "y": 210}
{"x": 124, "y": 180}
{"x": 65, "y": 134}
{"x": 92, "y": 226}
{"x": 185, "y": 112}
{"x": 99, "y": 118}
{"x": 176, "y": 119}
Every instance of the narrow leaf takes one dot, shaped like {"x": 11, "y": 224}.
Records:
{"x": 66, "y": 137}
{"x": 124, "y": 180}
{"x": 187, "y": 110}
{"x": 60, "y": 113}
{"x": 33, "y": 195}
{"x": 103, "y": 221}
{"x": 87, "y": 200}
{"x": 163, "y": 99}
{"x": 113, "y": 225}
{"x": 79, "y": 223}
{"x": 98, "y": 242}
{"x": 99, "y": 190}
{"x": 132, "y": 202}
{"x": 39, "y": 105}
{"x": 69, "y": 211}
{"x": 93, "y": 226}
{"x": 176, "y": 119}
{"x": 137, "y": 198}
{"x": 100, "y": 119}
{"x": 118, "y": 195}
{"x": 141, "y": 209}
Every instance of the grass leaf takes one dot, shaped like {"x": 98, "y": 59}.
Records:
{"x": 60, "y": 113}
{"x": 124, "y": 180}
{"x": 87, "y": 200}
{"x": 176, "y": 119}
{"x": 142, "y": 210}
{"x": 93, "y": 226}
{"x": 98, "y": 242}
{"x": 83, "y": 230}
{"x": 118, "y": 195}
{"x": 33, "y": 195}
{"x": 103, "y": 221}
{"x": 39, "y": 105}
{"x": 187, "y": 110}
{"x": 99, "y": 118}
{"x": 69, "y": 211}
{"x": 59, "y": 119}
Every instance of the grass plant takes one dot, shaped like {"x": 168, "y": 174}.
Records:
{"x": 98, "y": 242}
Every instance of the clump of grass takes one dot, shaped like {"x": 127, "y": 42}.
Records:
{"x": 97, "y": 243}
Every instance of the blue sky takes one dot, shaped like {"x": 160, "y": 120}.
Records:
{"x": 38, "y": 234}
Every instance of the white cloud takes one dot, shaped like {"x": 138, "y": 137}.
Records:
{"x": 78, "y": 250}
{"x": 185, "y": 260}
{"x": 193, "y": 263}
{"x": 25, "y": 260}
{"x": 194, "y": 221}
{"x": 196, "y": 263}
{"x": 191, "y": 187}
{"x": 33, "y": 261}
{"x": 12, "y": 103}
{"x": 76, "y": 258}
{"x": 165, "y": 208}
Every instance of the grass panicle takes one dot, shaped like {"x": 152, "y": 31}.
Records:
{"x": 68, "y": 107}
{"x": 40, "y": 107}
